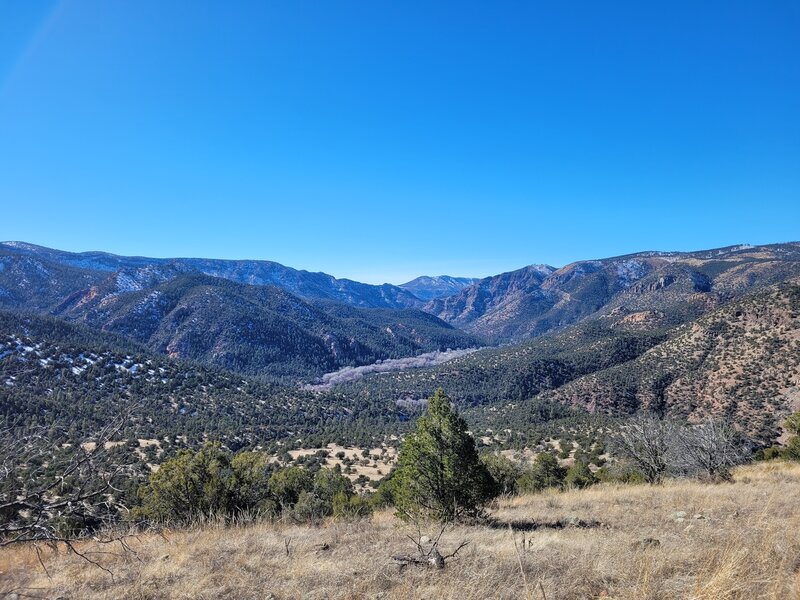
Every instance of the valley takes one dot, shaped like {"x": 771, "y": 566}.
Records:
{"x": 251, "y": 352}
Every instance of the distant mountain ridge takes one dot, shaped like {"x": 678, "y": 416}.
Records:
{"x": 428, "y": 288}
{"x": 534, "y": 300}
{"x": 172, "y": 307}
{"x": 313, "y": 286}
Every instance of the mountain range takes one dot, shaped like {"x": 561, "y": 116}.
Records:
{"x": 709, "y": 333}
{"x": 136, "y": 273}
{"x": 255, "y": 329}
{"x": 537, "y": 299}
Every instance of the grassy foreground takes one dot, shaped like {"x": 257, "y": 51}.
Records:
{"x": 738, "y": 540}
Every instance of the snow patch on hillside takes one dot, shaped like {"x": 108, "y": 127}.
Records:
{"x": 630, "y": 271}
{"x": 126, "y": 283}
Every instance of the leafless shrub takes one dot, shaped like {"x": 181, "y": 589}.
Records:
{"x": 650, "y": 444}
{"x": 658, "y": 447}
{"x": 57, "y": 494}
{"x": 711, "y": 449}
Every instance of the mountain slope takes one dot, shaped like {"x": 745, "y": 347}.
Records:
{"x": 56, "y": 373}
{"x": 674, "y": 286}
{"x": 314, "y": 286}
{"x": 741, "y": 361}
{"x": 428, "y": 288}
{"x": 256, "y": 330}
{"x": 511, "y": 374}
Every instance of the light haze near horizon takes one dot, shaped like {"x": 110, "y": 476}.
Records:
{"x": 381, "y": 142}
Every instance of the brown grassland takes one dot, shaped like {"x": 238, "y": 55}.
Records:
{"x": 737, "y": 540}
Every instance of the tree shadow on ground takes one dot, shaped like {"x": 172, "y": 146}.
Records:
{"x": 530, "y": 525}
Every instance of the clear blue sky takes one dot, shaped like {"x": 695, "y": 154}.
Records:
{"x": 380, "y": 141}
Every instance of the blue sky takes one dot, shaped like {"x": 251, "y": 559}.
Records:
{"x": 380, "y": 141}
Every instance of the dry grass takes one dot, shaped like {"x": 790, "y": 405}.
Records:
{"x": 744, "y": 543}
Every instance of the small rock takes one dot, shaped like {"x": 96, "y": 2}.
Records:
{"x": 646, "y": 543}
{"x": 679, "y": 516}
{"x": 699, "y": 516}
{"x": 424, "y": 540}
{"x": 164, "y": 557}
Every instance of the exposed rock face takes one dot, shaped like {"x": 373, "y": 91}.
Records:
{"x": 658, "y": 284}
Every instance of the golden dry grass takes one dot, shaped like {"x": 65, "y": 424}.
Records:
{"x": 744, "y": 544}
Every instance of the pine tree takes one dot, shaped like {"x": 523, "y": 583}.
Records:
{"x": 439, "y": 474}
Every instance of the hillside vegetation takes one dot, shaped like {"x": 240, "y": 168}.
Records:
{"x": 684, "y": 539}
{"x": 260, "y": 328}
{"x": 202, "y": 357}
{"x": 77, "y": 379}
{"x": 741, "y": 362}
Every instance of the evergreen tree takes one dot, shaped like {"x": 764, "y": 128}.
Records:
{"x": 545, "y": 473}
{"x": 439, "y": 474}
{"x": 580, "y": 475}
{"x": 792, "y": 425}
{"x": 191, "y": 485}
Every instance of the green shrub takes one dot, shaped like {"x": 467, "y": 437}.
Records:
{"x": 770, "y": 453}
{"x": 351, "y": 508}
{"x": 504, "y": 471}
{"x": 250, "y": 483}
{"x": 191, "y": 485}
{"x": 288, "y": 484}
{"x": 579, "y": 475}
{"x": 309, "y": 508}
{"x": 792, "y": 425}
{"x": 545, "y": 473}
{"x": 328, "y": 483}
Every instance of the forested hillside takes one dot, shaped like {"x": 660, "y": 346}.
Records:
{"x": 698, "y": 334}
{"x": 258, "y": 330}
{"x": 57, "y": 374}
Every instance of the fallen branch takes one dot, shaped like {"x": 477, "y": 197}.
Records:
{"x": 430, "y": 557}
